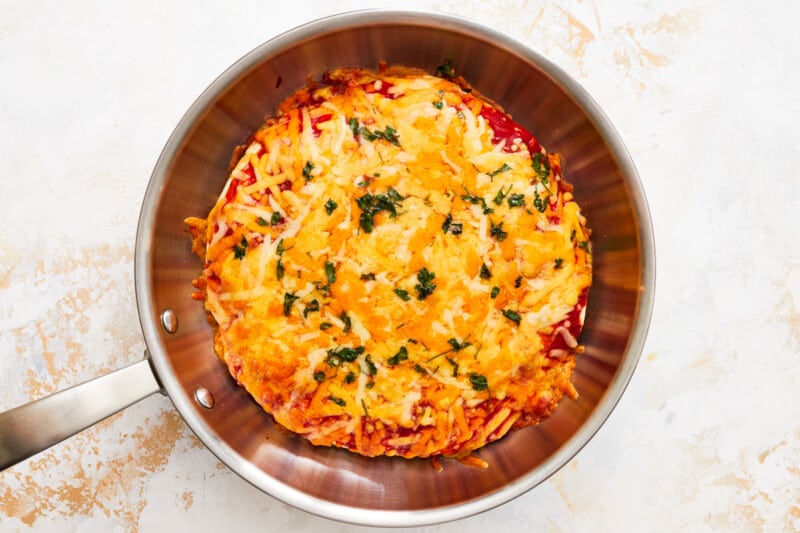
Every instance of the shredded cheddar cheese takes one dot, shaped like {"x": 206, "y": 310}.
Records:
{"x": 396, "y": 267}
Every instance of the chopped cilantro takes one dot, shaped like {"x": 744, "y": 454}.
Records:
{"x": 262, "y": 221}
{"x": 311, "y": 307}
{"x": 512, "y": 316}
{"x": 288, "y": 300}
{"x": 541, "y": 167}
{"x": 504, "y": 168}
{"x": 337, "y": 401}
{"x": 343, "y": 354}
{"x": 424, "y": 288}
{"x": 516, "y": 200}
{"x": 371, "y": 368}
{"x": 239, "y": 250}
{"x": 446, "y": 70}
{"x": 372, "y": 204}
{"x": 420, "y": 369}
{"x": 497, "y": 231}
{"x": 559, "y": 262}
{"x": 368, "y": 277}
{"x": 325, "y": 325}
{"x": 538, "y": 202}
{"x": 485, "y": 272}
{"x": 584, "y": 245}
{"x": 280, "y": 249}
{"x": 307, "y": 170}
{"x": 494, "y": 293}
{"x": 350, "y": 377}
{"x": 518, "y": 282}
{"x": 501, "y": 195}
{"x": 279, "y": 270}
{"x": 402, "y": 294}
{"x": 330, "y": 273}
{"x": 319, "y": 376}
{"x": 458, "y": 346}
{"x": 276, "y": 218}
{"x": 478, "y": 382}
{"x": 353, "y": 123}
{"x": 453, "y": 227}
{"x": 454, "y": 364}
{"x": 438, "y": 105}
{"x": 330, "y": 206}
{"x": 347, "y": 323}
{"x": 399, "y": 357}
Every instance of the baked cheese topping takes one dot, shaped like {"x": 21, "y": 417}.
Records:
{"x": 396, "y": 267}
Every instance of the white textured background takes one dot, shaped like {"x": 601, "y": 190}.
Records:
{"x": 706, "y": 96}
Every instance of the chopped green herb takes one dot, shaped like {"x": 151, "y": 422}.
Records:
{"x": 453, "y": 227}
{"x": 584, "y": 245}
{"x": 280, "y": 249}
{"x": 372, "y": 204}
{"x": 478, "y": 382}
{"x": 518, "y": 282}
{"x": 319, "y": 376}
{"x": 497, "y": 231}
{"x": 420, "y": 369}
{"x": 239, "y": 250}
{"x": 504, "y": 168}
{"x": 559, "y": 262}
{"x": 438, "y": 105}
{"x": 262, "y": 221}
{"x": 446, "y": 70}
{"x": 454, "y": 364}
{"x": 516, "y": 200}
{"x": 337, "y": 401}
{"x": 288, "y": 300}
{"x": 402, "y": 294}
{"x": 368, "y": 135}
{"x": 350, "y": 377}
{"x": 501, "y": 195}
{"x": 399, "y": 357}
{"x": 541, "y": 167}
{"x": 312, "y": 306}
{"x": 458, "y": 346}
{"x": 275, "y": 218}
{"x": 353, "y": 123}
{"x": 494, "y": 293}
{"x": 424, "y": 288}
{"x": 307, "y": 170}
{"x": 388, "y": 134}
{"x": 279, "y": 270}
{"x": 394, "y": 196}
{"x": 368, "y": 277}
{"x": 325, "y": 325}
{"x": 371, "y": 368}
{"x": 485, "y": 272}
{"x": 512, "y": 316}
{"x": 330, "y": 273}
{"x": 538, "y": 202}
{"x": 347, "y": 323}
{"x": 330, "y": 206}
{"x": 370, "y": 384}
{"x": 364, "y": 407}
{"x": 337, "y": 355}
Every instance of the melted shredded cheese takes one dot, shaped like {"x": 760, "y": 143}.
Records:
{"x": 389, "y": 277}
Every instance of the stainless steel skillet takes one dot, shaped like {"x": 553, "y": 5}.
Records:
{"x": 192, "y": 170}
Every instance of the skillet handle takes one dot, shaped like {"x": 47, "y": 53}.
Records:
{"x": 30, "y": 428}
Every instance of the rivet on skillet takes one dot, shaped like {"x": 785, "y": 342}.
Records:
{"x": 204, "y": 397}
{"x": 169, "y": 320}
